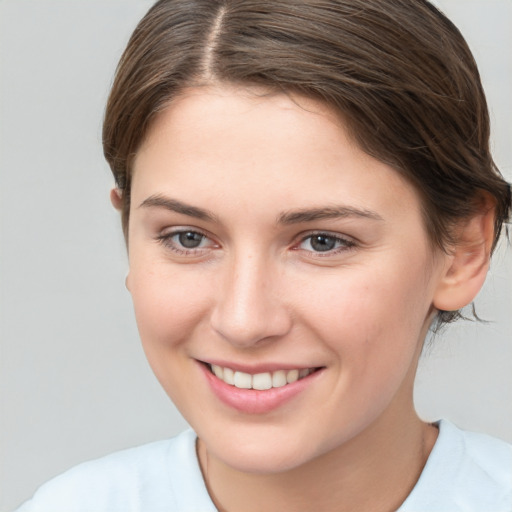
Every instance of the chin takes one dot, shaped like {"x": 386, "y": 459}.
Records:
{"x": 266, "y": 451}
{"x": 265, "y": 462}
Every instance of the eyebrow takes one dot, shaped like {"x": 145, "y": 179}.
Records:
{"x": 287, "y": 218}
{"x": 159, "y": 201}
{"x": 331, "y": 212}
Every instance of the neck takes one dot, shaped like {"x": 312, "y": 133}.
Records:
{"x": 375, "y": 471}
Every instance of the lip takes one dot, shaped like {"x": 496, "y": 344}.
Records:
{"x": 253, "y": 369}
{"x": 252, "y": 401}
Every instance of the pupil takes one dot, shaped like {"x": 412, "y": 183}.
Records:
{"x": 190, "y": 240}
{"x": 322, "y": 243}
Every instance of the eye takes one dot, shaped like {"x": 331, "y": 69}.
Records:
{"x": 185, "y": 241}
{"x": 325, "y": 243}
{"x": 189, "y": 239}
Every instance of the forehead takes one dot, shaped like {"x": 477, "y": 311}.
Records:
{"x": 243, "y": 144}
{"x": 240, "y": 115}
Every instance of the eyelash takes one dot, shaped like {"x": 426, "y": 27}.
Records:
{"x": 344, "y": 244}
{"x": 166, "y": 240}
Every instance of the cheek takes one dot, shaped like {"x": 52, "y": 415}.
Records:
{"x": 168, "y": 304}
{"x": 170, "y": 307}
{"x": 372, "y": 316}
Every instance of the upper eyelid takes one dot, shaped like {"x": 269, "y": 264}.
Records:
{"x": 176, "y": 230}
{"x": 337, "y": 236}
{"x": 347, "y": 243}
{"x": 300, "y": 237}
{"x": 165, "y": 239}
{"x": 169, "y": 232}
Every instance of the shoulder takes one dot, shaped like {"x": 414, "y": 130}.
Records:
{"x": 488, "y": 457}
{"x": 466, "y": 472}
{"x": 157, "y": 476}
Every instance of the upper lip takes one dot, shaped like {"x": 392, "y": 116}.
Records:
{"x": 256, "y": 368}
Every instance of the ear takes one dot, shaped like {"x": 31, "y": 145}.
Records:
{"x": 468, "y": 262}
{"x": 116, "y": 198}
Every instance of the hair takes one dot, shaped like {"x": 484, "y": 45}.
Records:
{"x": 398, "y": 71}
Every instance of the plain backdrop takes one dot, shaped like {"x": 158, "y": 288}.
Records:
{"x": 74, "y": 382}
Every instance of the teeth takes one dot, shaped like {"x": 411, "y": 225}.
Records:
{"x": 279, "y": 379}
{"x": 217, "y": 370}
{"x": 292, "y": 376}
{"x": 260, "y": 381}
{"x": 243, "y": 380}
{"x": 229, "y": 376}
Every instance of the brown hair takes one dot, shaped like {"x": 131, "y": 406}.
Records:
{"x": 398, "y": 71}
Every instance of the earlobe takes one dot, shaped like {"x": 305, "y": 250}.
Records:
{"x": 468, "y": 262}
{"x": 116, "y": 198}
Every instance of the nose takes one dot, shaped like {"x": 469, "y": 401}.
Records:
{"x": 250, "y": 307}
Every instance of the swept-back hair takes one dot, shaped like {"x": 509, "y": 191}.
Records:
{"x": 398, "y": 72}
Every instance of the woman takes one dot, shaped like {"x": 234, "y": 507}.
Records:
{"x": 305, "y": 188}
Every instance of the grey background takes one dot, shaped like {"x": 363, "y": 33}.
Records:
{"x": 74, "y": 383}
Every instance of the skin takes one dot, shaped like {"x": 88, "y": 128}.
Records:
{"x": 256, "y": 292}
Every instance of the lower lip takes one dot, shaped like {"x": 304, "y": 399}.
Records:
{"x": 253, "y": 401}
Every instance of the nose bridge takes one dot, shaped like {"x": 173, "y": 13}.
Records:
{"x": 249, "y": 308}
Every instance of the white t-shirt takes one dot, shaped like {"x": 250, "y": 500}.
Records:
{"x": 466, "y": 472}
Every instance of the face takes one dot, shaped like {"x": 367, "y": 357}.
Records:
{"x": 265, "y": 247}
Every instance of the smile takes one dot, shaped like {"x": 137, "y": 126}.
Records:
{"x": 259, "y": 392}
{"x": 259, "y": 381}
